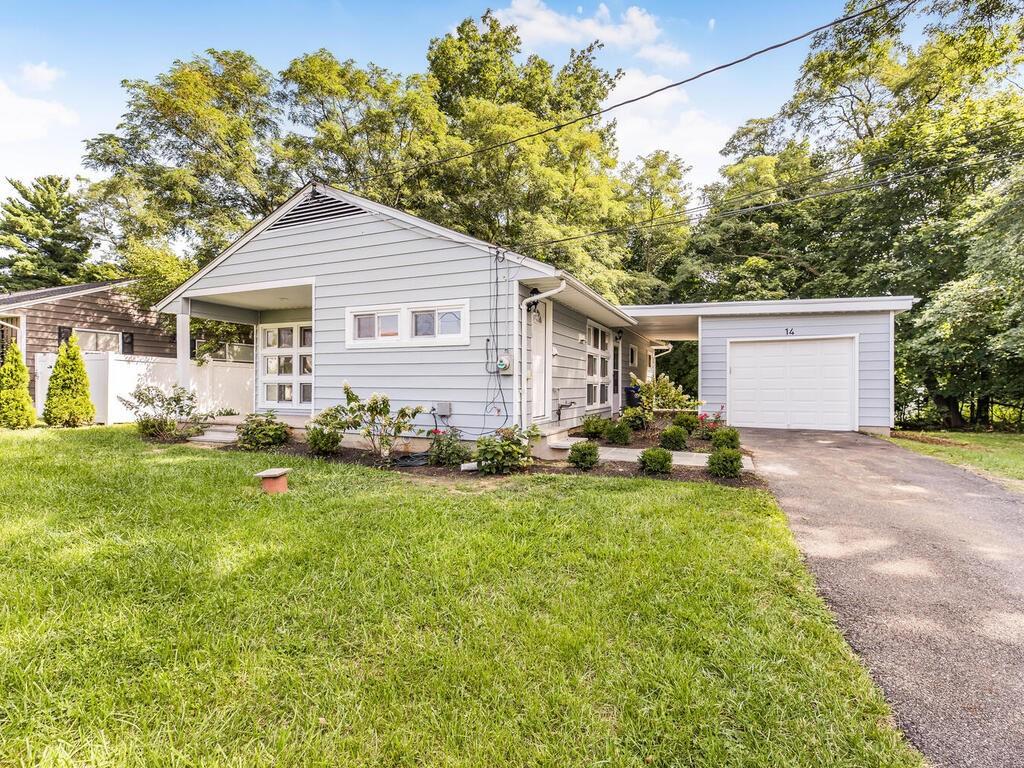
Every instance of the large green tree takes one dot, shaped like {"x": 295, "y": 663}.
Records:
{"x": 43, "y": 239}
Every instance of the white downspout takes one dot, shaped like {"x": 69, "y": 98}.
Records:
{"x": 524, "y": 314}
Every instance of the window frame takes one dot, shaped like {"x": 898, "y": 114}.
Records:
{"x": 296, "y": 379}
{"x": 406, "y": 332}
{"x": 120, "y": 339}
{"x": 634, "y": 356}
{"x": 597, "y": 379}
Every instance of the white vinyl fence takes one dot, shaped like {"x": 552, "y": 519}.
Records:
{"x": 219, "y": 385}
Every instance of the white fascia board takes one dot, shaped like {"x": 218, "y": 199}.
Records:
{"x": 258, "y": 227}
{"x": 784, "y": 307}
{"x": 590, "y": 293}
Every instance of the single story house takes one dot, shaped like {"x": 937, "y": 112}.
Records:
{"x": 339, "y": 288}
{"x": 101, "y": 315}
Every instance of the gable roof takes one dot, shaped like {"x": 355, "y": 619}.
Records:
{"x": 298, "y": 209}
{"x": 40, "y": 295}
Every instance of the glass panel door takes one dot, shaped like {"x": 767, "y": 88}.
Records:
{"x": 285, "y": 366}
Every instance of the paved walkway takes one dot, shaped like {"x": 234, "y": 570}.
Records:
{"x": 679, "y": 458}
{"x": 923, "y": 564}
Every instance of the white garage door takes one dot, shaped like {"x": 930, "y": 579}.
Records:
{"x": 793, "y": 384}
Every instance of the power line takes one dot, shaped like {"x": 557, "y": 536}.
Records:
{"x": 858, "y": 166}
{"x": 635, "y": 99}
{"x": 752, "y": 209}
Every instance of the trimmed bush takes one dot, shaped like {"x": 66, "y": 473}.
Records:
{"x": 655, "y": 461}
{"x": 686, "y": 420}
{"x": 160, "y": 415}
{"x": 618, "y": 433}
{"x": 583, "y": 455}
{"x": 594, "y": 427}
{"x": 447, "y": 449}
{"x": 673, "y": 439}
{"x": 725, "y": 437}
{"x": 725, "y": 462}
{"x": 16, "y": 411}
{"x": 261, "y": 431}
{"x": 635, "y": 418}
{"x": 67, "y": 396}
{"x": 507, "y": 451}
{"x": 325, "y": 432}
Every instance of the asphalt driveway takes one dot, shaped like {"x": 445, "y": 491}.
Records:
{"x": 923, "y": 564}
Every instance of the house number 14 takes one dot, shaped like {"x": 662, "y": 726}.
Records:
{"x": 790, "y": 332}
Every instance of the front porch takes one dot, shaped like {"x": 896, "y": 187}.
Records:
{"x": 281, "y": 316}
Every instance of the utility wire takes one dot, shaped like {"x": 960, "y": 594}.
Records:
{"x": 604, "y": 110}
{"x": 752, "y": 209}
{"x": 858, "y": 166}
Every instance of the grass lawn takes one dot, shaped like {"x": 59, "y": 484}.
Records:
{"x": 1000, "y": 453}
{"x": 156, "y": 610}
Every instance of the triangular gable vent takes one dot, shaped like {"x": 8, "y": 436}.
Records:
{"x": 316, "y": 207}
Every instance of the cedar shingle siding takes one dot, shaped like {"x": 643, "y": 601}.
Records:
{"x": 106, "y": 310}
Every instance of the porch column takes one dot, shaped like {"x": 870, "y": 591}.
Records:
{"x": 183, "y": 336}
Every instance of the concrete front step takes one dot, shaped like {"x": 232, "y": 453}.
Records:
{"x": 565, "y": 443}
{"x": 215, "y": 436}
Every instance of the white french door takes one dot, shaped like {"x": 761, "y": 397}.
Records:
{"x": 616, "y": 376}
{"x": 540, "y": 362}
{"x": 285, "y": 366}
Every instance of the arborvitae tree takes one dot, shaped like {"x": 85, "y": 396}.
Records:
{"x": 16, "y": 411}
{"x": 67, "y": 397}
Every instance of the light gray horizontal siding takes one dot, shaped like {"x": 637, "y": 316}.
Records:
{"x": 372, "y": 260}
{"x": 569, "y": 366}
{"x": 874, "y": 364}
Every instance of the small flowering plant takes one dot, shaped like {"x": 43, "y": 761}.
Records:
{"x": 707, "y": 424}
{"x": 373, "y": 419}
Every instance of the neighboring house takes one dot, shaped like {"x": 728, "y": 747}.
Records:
{"x": 101, "y": 315}
{"x": 339, "y": 288}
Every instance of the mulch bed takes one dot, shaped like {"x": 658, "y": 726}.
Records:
{"x": 922, "y": 437}
{"x": 625, "y": 469}
{"x": 648, "y": 438}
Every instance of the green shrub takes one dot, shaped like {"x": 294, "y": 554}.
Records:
{"x": 618, "y": 433}
{"x": 507, "y": 451}
{"x": 661, "y": 394}
{"x": 725, "y": 437}
{"x": 67, "y": 396}
{"x": 583, "y": 455}
{"x": 16, "y": 411}
{"x": 373, "y": 419}
{"x": 655, "y": 461}
{"x": 635, "y": 418}
{"x": 687, "y": 420}
{"x": 260, "y": 431}
{"x": 725, "y": 462}
{"x": 160, "y": 415}
{"x": 593, "y": 427}
{"x": 325, "y": 432}
{"x": 447, "y": 449}
{"x": 673, "y": 439}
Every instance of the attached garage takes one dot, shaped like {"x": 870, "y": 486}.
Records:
{"x": 793, "y": 383}
{"x": 800, "y": 364}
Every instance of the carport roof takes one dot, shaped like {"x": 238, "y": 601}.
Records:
{"x": 679, "y": 321}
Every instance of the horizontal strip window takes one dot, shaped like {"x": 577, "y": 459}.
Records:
{"x": 408, "y": 325}
{"x": 98, "y": 341}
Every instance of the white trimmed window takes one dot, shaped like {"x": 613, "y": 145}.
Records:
{"x": 650, "y": 365}
{"x": 408, "y": 325}
{"x": 98, "y": 341}
{"x": 634, "y": 356}
{"x": 598, "y": 366}
{"x": 285, "y": 359}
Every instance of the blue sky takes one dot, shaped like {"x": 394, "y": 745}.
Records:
{"x": 61, "y": 64}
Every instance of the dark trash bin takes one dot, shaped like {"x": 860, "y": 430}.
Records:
{"x": 632, "y": 396}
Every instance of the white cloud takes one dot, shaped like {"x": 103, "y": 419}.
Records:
{"x": 711, "y": 24}
{"x": 666, "y": 121}
{"x": 27, "y": 117}
{"x": 39, "y": 77}
{"x": 37, "y": 136}
{"x": 636, "y": 29}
